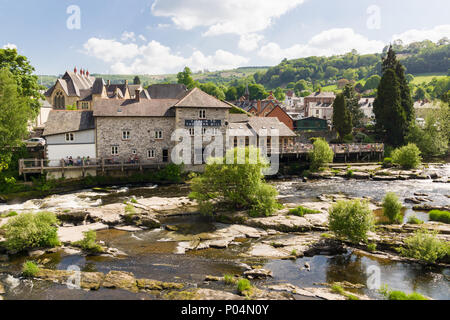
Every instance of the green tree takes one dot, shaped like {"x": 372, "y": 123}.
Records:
{"x": 392, "y": 208}
{"x": 15, "y": 112}
{"x": 185, "y": 77}
{"x": 27, "y": 83}
{"x": 352, "y": 102}
{"x": 372, "y": 83}
{"x": 237, "y": 185}
{"x": 420, "y": 94}
{"x": 137, "y": 80}
{"x": 212, "y": 89}
{"x": 389, "y": 114}
{"x": 279, "y": 94}
{"x": 409, "y": 156}
{"x": 321, "y": 154}
{"x": 231, "y": 94}
{"x": 342, "y": 119}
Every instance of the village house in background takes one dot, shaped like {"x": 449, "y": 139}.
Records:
{"x": 320, "y": 105}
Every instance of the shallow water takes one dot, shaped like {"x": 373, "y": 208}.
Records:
{"x": 152, "y": 254}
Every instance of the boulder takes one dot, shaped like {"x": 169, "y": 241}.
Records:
{"x": 2, "y": 289}
{"x": 149, "y": 222}
{"x": 120, "y": 280}
{"x": 73, "y": 234}
{"x": 72, "y": 216}
{"x": 258, "y": 274}
{"x": 110, "y": 214}
{"x": 88, "y": 280}
{"x": 150, "y": 285}
{"x": 281, "y": 223}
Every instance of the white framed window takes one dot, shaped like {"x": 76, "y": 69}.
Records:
{"x": 114, "y": 150}
{"x": 202, "y": 114}
{"x": 134, "y": 151}
{"x": 204, "y": 130}
{"x": 85, "y": 105}
{"x": 158, "y": 134}
{"x": 126, "y": 135}
{"x": 192, "y": 132}
{"x": 151, "y": 154}
{"x": 70, "y": 137}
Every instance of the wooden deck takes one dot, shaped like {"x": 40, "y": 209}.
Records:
{"x": 361, "y": 152}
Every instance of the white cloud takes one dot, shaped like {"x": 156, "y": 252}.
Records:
{"x": 224, "y": 16}
{"x": 128, "y": 36}
{"x": 250, "y": 42}
{"x": 327, "y": 43}
{"x": 155, "y": 58}
{"x": 142, "y": 37}
{"x": 435, "y": 34}
{"x": 9, "y": 46}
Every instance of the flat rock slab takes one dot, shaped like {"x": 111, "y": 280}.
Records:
{"x": 73, "y": 234}
{"x": 120, "y": 280}
{"x": 110, "y": 214}
{"x": 169, "y": 205}
{"x": 208, "y": 294}
{"x": 128, "y": 228}
{"x": 281, "y": 223}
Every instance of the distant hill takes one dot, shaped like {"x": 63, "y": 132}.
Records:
{"x": 216, "y": 77}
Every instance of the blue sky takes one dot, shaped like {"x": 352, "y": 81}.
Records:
{"x": 162, "y": 36}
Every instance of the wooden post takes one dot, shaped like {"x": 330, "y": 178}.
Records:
{"x": 42, "y": 166}
{"x": 63, "y": 165}
{"x": 83, "y": 167}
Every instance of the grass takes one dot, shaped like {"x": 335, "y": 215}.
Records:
{"x": 229, "y": 279}
{"x": 30, "y": 269}
{"x": 427, "y": 77}
{"x": 339, "y": 290}
{"x": 133, "y": 200}
{"x": 327, "y": 236}
{"x": 425, "y": 246}
{"x": 244, "y": 287}
{"x": 301, "y": 211}
{"x": 414, "y": 220}
{"x": 400, "y": 295}
{"x": 89, "y": 243}
{"x": 9, "y": 214}
{"x": 372, "y": 247}
{"x": 440, "y": 216}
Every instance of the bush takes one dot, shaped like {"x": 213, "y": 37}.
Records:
{"x": 392, "y": 208}
{"x": 440, "y": 216}
{"x": 30, "y": 230}
{"x": 339, "y": 290}
{"x": 30, "y": 269}
{"x": 89, "y": 242}
{"x": 372, "y": 247}
{"x": 400, "y": 295}
{"x": 244, "y": 287}
{"x": 321, "y": 154}
{"x": 425, "y": 246}
{"x": 352, "y": 220}
{"x": 235, "y": 186}
{"x": 301, "y": 211}
{"x": 408, "y": 157}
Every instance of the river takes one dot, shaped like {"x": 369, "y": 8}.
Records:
{"x": 151, "y": 254}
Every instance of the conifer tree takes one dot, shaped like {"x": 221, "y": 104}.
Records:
{"x": 342, "y": 119}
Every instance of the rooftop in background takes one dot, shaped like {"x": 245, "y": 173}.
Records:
{"x": 322, "y": 95}
{"x": 62, "y": 121}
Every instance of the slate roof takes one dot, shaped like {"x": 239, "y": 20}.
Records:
{"x": 322, "y": 95}
{"x": 199, "y": 99}
{"x": 133, "y": 108}
{"x": 167, "y": 91}
{"x": 61, "y": 121}
{"x": 257, "y": 124}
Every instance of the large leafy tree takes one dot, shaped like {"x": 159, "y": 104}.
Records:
{"x": 352, "y": 101}
{"x": 342, "y": 119}
{"x": 22, "y": 72}
{"x": 185, "y": 77}
{"x": 15, "y": 112}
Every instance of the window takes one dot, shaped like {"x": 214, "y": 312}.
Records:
{"x": 216, "y": 132}
{"x": 134, "y": 151}
{"x": 151, "y": 154}
{"x": 126, "y": 135}
{"x": 158, "y": 134}
{"x": 317, "y": 112}
{"x": 59, "y": 101}
{"x": 202, "y": 114}
{"x": 114, "y": 150}
{"x": 204, "y": 130}
{"x": 192, "y": 132}
{"x": 85, "y": 105}
{"x": 70, "y": 137}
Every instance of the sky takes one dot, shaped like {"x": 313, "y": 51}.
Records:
{"x": 164, "y": 36}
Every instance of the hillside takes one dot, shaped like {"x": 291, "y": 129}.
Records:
{"x": 217, "y": 77}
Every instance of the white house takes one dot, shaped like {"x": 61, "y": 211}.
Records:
{"x": 69, "y": 134}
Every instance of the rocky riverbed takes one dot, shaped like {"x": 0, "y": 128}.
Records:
{"x": 158, "y": 246}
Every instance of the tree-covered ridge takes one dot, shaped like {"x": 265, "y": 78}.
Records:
{"x": 418, "y": 57}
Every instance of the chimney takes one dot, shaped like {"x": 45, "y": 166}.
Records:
{"x": 259, "y": 106}
{"x": 75, "y": 70}
{"x": 138, "y": 95}
{"x": 126, "y": 82}
{"x": 108, "y": 83}
{"x": 87, "y": 73}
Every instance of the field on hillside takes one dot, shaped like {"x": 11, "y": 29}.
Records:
{"x": 427, "y": 77}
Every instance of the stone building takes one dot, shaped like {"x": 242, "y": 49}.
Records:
{"x": 320, "y": 105}
{"x": 142, "y": 128}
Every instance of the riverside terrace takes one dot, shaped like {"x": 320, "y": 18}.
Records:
{"x": 101, "y": 166}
